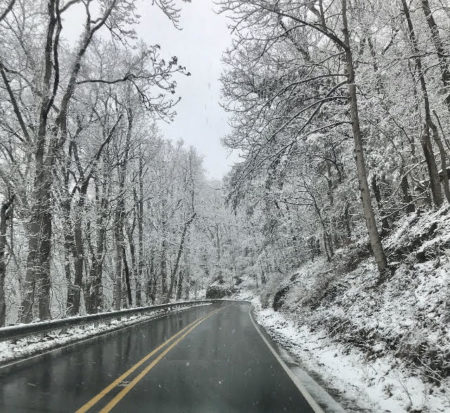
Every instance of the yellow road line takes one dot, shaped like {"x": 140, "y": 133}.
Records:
{"x": 130, "y": 385}
{"x": 107, "y": 389}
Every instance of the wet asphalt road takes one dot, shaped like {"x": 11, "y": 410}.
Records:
{"x": 219, "y": 365}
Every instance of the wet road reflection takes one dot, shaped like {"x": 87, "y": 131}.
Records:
{"x": 221, "y": 366}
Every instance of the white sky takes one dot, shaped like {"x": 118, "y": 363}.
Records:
{"x": 200, "y": 121}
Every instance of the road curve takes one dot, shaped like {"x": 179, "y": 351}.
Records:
{"x": 205, "y": 359}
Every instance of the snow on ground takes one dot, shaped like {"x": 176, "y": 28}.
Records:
{"x": 383, "y": 346}
{"x": 315, "y": 389}
{"x": 372, "y": 386}
{"x": 13, "y": 350}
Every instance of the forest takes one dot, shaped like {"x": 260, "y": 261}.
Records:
{"x": 337, "y": 211}
{"x": 98, "y": 211}
{"x": 340, "y": 114}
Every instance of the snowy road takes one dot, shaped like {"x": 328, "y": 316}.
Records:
{"x": 206, "y": 359}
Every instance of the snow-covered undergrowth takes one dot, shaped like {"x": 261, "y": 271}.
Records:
{"x": 13, "y": 350}
{"x": 386, "y": 345}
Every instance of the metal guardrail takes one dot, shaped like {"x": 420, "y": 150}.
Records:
{"x": 21, "y": 330}
{"x": 17, "y": 331}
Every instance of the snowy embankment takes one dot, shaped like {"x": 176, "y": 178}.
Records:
{"x": 383, "y": 347}
{"x": 18, "y": 349}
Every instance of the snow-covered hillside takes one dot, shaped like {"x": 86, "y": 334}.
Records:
{"x": 384, "y": 346}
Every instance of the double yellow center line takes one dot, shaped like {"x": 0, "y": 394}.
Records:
{"x": 175, "y": 339}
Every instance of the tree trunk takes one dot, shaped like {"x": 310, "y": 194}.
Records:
{"x": 187, "y": 290}
{"x": 184, "y": 273}
{"x": 369, "y": 215}
{"x": 117, "y": 286}
{"x": 130, "y": 234}
{"x": 5, "y": 214}
{"x": 68, "y": 253}
{"x": 94, "y": 289}
{"x": 327, "y": 244}
{"x": 127, "y": 277}
{"x": 443, "y": 155}
{"x": 119, "y": 218}
{"x": 134, "y": 270}
{"x": 78, "y": 249}
{"x": 377, "y": 193}
{"x": 407, "y": 198}
{"x": 163, "y": 267}
{"x": 177, "y": 261}
{"x": 40, "y": 224}
{"x": 180, "y": 284}
{"x": 151, "y": 288}
{"x": 140, "y": 219}
{"x": 440, "y": 50}
{"x": 163, "y": 260}
{"x": 347, "y": 223}
{"x": 37, "y": 275}
{"x": 263, "y": 277}
{"x": 219, "y": 251}
{"x": 425, "y": 140}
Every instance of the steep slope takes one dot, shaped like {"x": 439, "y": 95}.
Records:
{"x": 390, "y": 339}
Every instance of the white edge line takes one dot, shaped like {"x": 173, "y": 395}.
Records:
{"x": 316, "y": 408}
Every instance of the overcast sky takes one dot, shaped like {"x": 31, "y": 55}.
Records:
{"x": 199, "y": 46}
{"x": 200, "y": 121}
